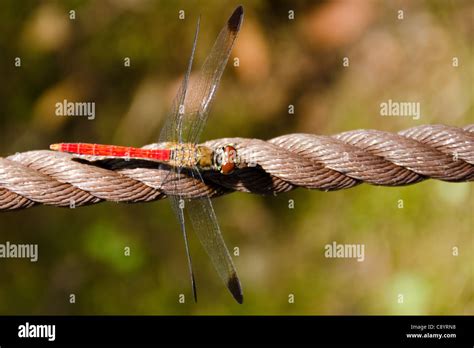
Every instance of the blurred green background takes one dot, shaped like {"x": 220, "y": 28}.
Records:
{"x": 407, "y": 251}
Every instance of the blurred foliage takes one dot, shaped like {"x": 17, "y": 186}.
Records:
{"x": 282, "y": 62}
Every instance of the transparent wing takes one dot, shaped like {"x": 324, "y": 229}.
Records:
{"x": 175, "y": 204}
{"x": 206, "y": 227}
{"x": 172, "y": 127}
{"x": 202, "y": 89}
{"x": 171, "y": 132}
{"x": 187, "y": 117}
{"x": 185, "y": 123}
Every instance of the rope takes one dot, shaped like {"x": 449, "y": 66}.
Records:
{"x": 282, "y": 164}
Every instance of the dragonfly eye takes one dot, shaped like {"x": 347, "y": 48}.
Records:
{"x": 225, "y": 159}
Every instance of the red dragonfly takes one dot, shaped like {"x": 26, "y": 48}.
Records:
{"x": 179, "y": 138}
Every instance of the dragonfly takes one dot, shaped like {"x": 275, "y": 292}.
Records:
{"x": 180, "y": 153}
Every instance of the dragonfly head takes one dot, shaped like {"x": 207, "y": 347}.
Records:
{"x": 225, "y": 159}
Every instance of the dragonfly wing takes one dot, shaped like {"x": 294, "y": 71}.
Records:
{"x": 206, "y": 227}
{"x": 173, "y": 123}
{"x": 202, "y": 89}
{"x": 178, "y": 210}
{"x": 172, "y": 132}
{"x": 185, "y": 123}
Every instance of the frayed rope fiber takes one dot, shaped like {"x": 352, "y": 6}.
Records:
{"x": 281, "y": 164}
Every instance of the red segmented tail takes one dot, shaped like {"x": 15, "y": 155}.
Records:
{"x": 112, "y": 151}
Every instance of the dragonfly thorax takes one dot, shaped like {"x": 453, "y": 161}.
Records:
{"x": 222, "y": 159}
{"x": 184, "y": 155}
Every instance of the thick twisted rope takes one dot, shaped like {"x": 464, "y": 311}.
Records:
{"x": 281, "y": 164}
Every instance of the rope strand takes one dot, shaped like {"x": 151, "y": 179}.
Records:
{"x": 282, "y": 164}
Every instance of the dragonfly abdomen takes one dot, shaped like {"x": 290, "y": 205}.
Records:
{"x": 112, "y": 151}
